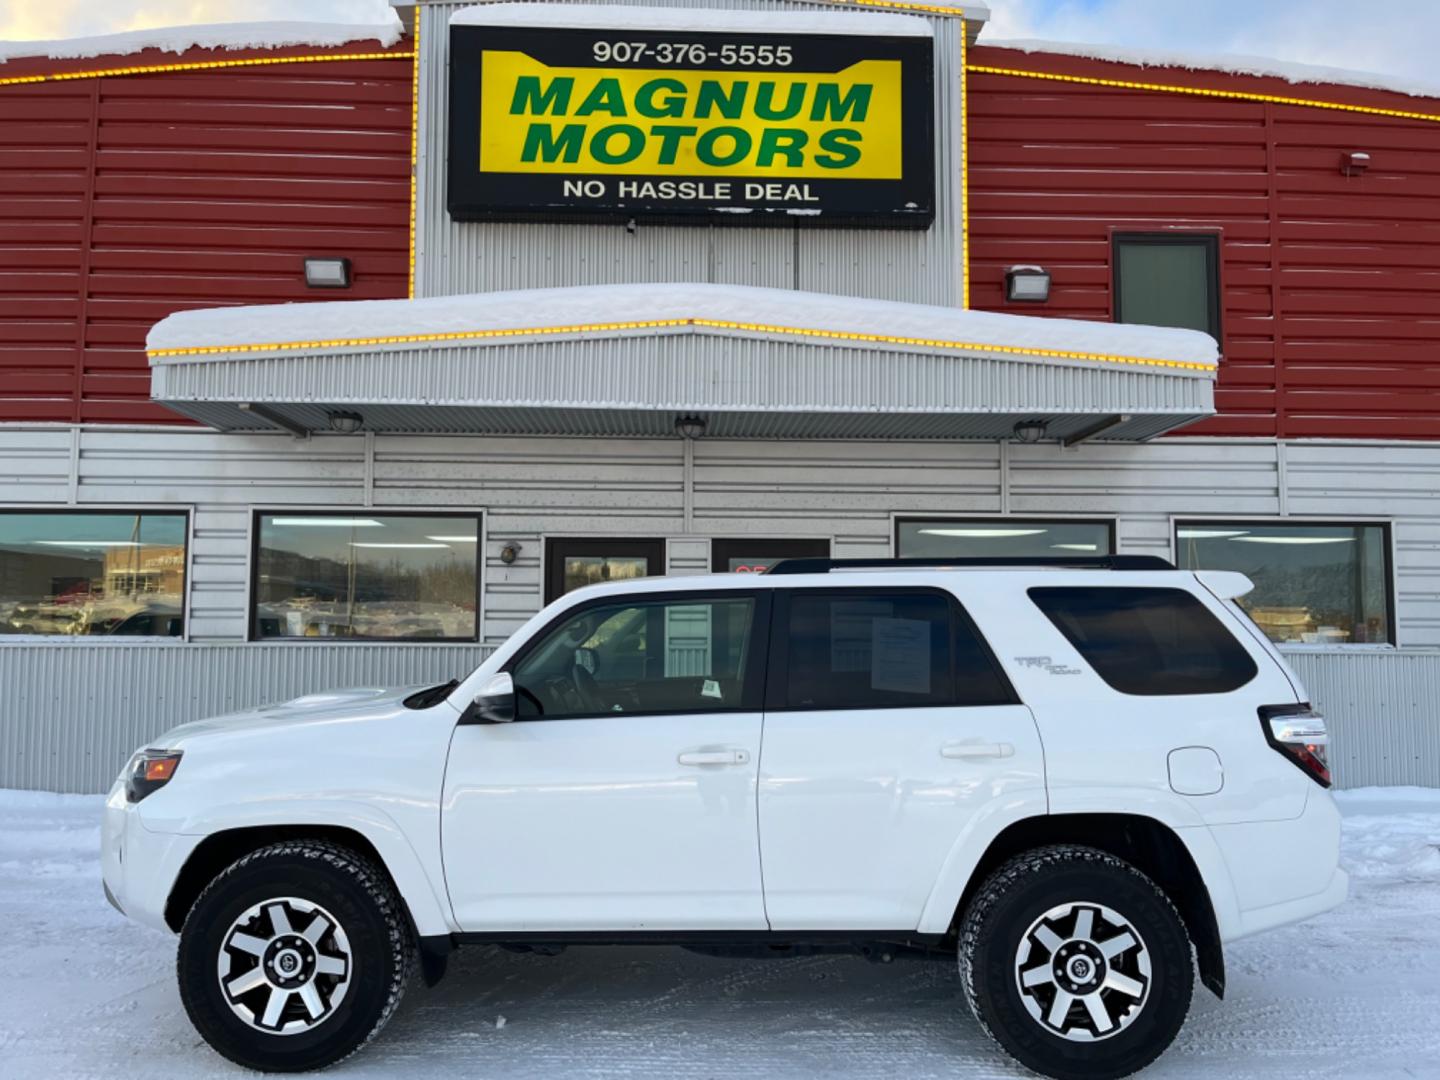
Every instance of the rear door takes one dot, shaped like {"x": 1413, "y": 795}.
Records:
{"x": 888, "y": 728}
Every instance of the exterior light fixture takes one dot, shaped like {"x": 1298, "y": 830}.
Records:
{"x": 346, "y": 423}
{"x": 690, "y": 427}
{"x": 509, "y": 553}
{"x": 327, "y": 273}
{"x": 1027, "y": 285}
{"x": 1354, "y": 163}
{"x": 1030, "y": 431}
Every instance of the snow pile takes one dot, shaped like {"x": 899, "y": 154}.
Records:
{"x": 625, "y": 17}
{"x": 1259, "y": 66}
{"x": 591, "y": 304}
{"x": 230, "y": 36}
{"x": 1391, "y": 834}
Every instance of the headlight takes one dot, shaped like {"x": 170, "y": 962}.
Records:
{"x": 148, "y": 772}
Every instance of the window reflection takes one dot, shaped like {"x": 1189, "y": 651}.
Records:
{"x": 92, "y": 573}
{"x": 992, "y": 538}
{"x": 1315, "y": 584}
{"x": 367, "y": 577}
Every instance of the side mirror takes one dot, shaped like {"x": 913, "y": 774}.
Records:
{"x": 495, "y": 704}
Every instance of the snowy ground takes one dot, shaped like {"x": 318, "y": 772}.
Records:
{"x": 85, "y": 993}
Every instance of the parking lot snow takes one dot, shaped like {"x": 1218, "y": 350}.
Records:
{"x": 1352, "y": 993}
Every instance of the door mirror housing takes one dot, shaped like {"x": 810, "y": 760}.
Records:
{"x": 495, "y": 704}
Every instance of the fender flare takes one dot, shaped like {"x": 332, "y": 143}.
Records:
{"x": 969, "y": 848}
{"x": 425, "y": 898}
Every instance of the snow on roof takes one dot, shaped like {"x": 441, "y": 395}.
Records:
{"x": 177, "y": 39}
{"x": 1261, "y": 66}
{"x": 626, "y": 17}
{"x": 531, "y": 309}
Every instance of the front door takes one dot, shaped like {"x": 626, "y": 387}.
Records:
{"x": 623, "y": 796}
{"x": 889, "y": 729}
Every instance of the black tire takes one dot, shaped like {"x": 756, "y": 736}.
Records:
{"x": 999, "y": 922}
{"x": 378, "y": 939}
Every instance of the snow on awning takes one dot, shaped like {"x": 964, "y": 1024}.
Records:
{"x": 629, "y": 359}
{"x": 628, "y": 17}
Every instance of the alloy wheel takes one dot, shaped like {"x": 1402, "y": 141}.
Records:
{"x": 1083, "y": 971}
{"x": 284, "y": 966}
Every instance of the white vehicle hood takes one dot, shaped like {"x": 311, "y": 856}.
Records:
{"x": 358, "y": 704}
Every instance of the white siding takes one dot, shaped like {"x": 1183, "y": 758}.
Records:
{"x": 532, "y": 488}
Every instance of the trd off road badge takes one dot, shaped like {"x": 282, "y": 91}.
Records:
{"x": 745, "y": 128}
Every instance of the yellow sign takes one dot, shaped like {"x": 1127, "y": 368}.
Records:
{"x": 659, "y": 122}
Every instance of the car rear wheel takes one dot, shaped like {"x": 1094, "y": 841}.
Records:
{"x": 1076, "y": 963}
{"x": 295, "y": 956}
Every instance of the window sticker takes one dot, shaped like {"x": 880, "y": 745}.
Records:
{"x": 900, "y": 655}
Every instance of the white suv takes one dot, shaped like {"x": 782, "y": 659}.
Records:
{"x": 1081, "y": 779}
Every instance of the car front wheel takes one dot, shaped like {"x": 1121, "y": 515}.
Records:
{"x": 295, "y": 956}
{"x": 1076, "y": 963}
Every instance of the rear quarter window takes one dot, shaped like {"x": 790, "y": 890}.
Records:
{"x": 1149, "y": 642}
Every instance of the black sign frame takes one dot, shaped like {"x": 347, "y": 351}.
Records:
{"x": 906, "y": 203}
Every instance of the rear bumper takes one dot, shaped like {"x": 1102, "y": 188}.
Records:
{"x": 1283, "y": 871}
{"x": 139, "y": 867}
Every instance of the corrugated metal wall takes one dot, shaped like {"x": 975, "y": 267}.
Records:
{"x": 1330, "y": 283}
{"x": 124, "y": 199}
{"x": 74, "y": 711}
{"x": 458, "y": 257}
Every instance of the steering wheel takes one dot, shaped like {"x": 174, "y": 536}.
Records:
{"x": 587, "y": 688}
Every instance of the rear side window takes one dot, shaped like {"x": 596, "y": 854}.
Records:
{"x": 874, "y": 649}
{"x": 1148, "y": 641}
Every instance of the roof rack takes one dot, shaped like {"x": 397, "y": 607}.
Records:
{"x": 1057, "y": 562}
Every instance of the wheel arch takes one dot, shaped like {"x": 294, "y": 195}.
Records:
{"x": 224, "y": 846}
{"x": 1151, "y": 846}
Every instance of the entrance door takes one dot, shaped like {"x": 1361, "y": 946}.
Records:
{"x": 573, "y": 562}
{"x": 623, "y": 796}
{"x": 888, "y": 729}
{"x": 755, "y": 555}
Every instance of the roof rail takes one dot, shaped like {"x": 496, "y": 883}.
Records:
{"x": 1057, "y": 562}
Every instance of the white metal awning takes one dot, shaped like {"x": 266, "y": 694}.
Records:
{"x": 629, "y": 360}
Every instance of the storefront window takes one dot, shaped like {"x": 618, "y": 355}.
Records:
{"x": 574, "y": 563}
{"x": 1315, "y": 584}
{"x": 755, "y": 556}
{"x": 92, "y": 573}
{"x": 366, "y": 576}
{"x": 994, "y": 538}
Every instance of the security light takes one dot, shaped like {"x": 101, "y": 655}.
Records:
{"x": 346, "y": 423}
{"x": 690, "y": 427}
{"x": 327, "y": 273}
{"x": 1354, "y": 163}
{"x": 1027, "y": 284}
{"x": 1030, "y": 431}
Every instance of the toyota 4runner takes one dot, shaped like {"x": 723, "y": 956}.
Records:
{"x": 1080, "y": 779}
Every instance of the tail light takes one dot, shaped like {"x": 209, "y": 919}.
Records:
{"x": 1298, "y": 732}
{"x": 148, "y": 772}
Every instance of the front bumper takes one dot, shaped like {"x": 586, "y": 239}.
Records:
{"x": 139, "y": 867}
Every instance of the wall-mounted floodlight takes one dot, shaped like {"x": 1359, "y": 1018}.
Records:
{"x": 327, "y": 273}
{"x": 1027, "y": 285}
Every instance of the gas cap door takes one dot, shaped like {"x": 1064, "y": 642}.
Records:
{"x": 1196, "y": 770}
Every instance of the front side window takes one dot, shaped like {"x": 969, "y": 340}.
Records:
{"x": 655, "y": 656}
{"x": 92, "y": 573}
{"x": 1168, "y": 279}
{"x": 1148, "y": 641}
{"x": 992, "y": 538}
{"x": 1315, "y": 584}
{"x": 366, "y": 576}
{"x": 873, "y": 649}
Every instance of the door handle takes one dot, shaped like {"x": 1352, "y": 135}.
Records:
{"x": 714, "y": 757}
{"x": 965, "y": 750}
